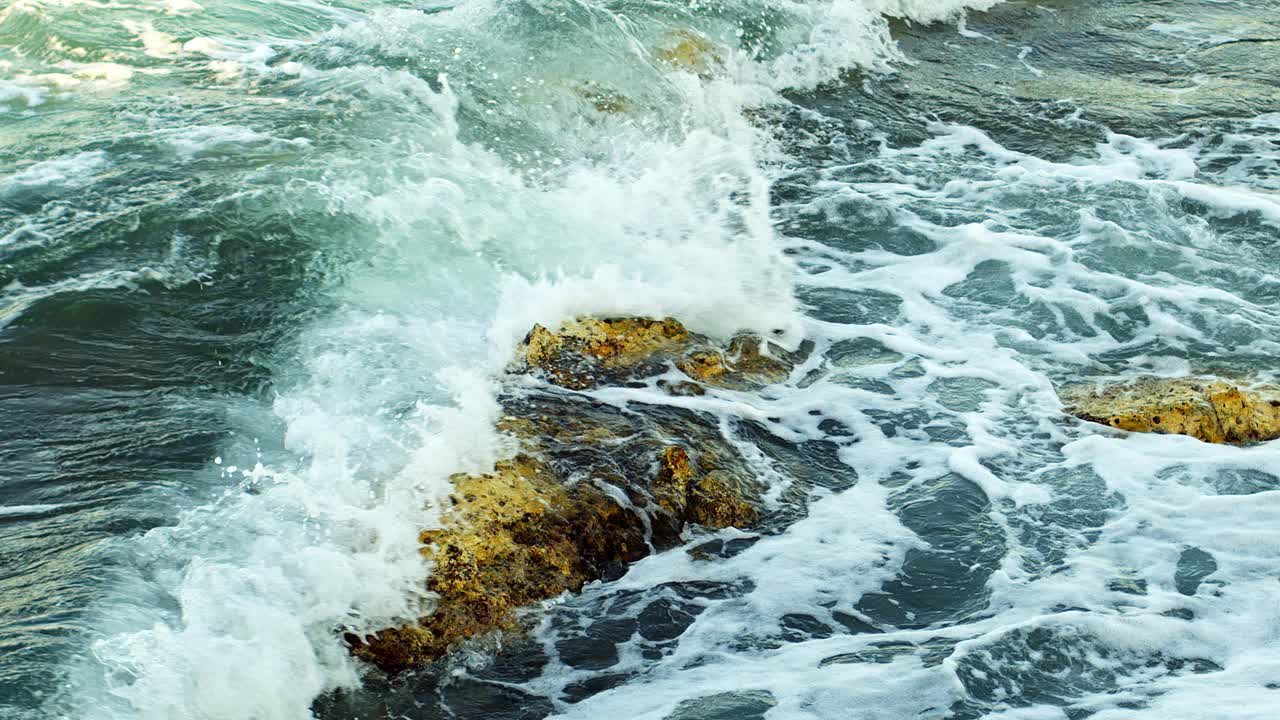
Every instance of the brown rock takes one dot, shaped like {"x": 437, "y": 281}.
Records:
{"x": 689, "y": 51}
{"x": 683, "y": 388}
{"x": 671, "y": 487}
{"x": 589, "y": 352}
{"x": 1211, "y": 410}
{"x": 595, "y": 486}
{"x": 703, "y": 365}
{"x": 541, "y": 346}
{"x": 751, "y": 365}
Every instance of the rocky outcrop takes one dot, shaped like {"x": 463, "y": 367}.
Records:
{"x": 1211, "y": 410}
{"x": 594, "y": 487}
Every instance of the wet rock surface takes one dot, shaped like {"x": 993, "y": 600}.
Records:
{"x": 1211, "y": 410}
{"x": 692, "y": 52}
{"x": 588, "y": 352}
{"x": 595, "y": 485}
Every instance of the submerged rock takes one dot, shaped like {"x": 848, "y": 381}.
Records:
{"x": 603, "y": 99}
{"x": 691, "y": 52}
{"x": 594, "y": 487}
{"x": 1211, "y": 410}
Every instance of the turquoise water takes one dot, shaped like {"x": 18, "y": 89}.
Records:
{"x": 261, "y": 263}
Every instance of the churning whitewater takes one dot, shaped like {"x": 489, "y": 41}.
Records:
{"x": 263, "y": 265}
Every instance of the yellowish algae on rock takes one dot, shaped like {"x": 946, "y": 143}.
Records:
{"x": 691, "y": 52}
{"x": 595, "y": 487}
{"x": 588, "y": 352}
{"x": 513, "y": 536}
{"x": 617, "y": 341}
{"x": 1211, "y": 410}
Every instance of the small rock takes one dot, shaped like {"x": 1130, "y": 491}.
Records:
{"x": 717, "y": 502}
{"x": 1211, "y": 410}
{"x": 689, "y": 51}
{"x": 703, "y": 365}
{"x": 590, "y": 352}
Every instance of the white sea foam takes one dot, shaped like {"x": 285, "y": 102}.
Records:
{"x": 378, "y": 411}
{"x": 15, "y": 511}
{"x": 925, "y": 11}
{"x": 205, "y": 141}
{"x": 392, "y": 392}
{"x": 1095, "y": 606}
{"x": 71, "y": 171}
{"x": 20, "y": 95}
{"x": 182, "y": 7}
{"x": 101, "y": 75}
{"x": 157, "y": 44}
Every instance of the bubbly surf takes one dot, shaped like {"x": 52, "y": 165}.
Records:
{"x": 415, "y": 187}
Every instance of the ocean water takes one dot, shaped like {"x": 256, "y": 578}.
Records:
{"x": 262, "y": 264}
